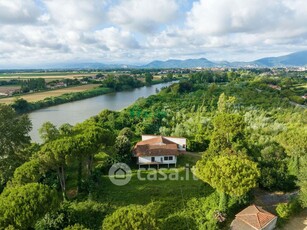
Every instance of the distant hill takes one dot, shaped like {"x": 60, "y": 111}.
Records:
{"x": 297, "y": 59}
{"x": 294, "y": 59}
{"x": 189, "y": 63}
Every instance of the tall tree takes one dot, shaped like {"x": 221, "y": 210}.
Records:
{"x": 229, "y": 175}
{"x": 294, "y": 141}
{"x": 48, "y": 132}
{"x": 14, "y": 138}
{"x": 148, "y": 78}
{"x": 56, "y": 155}
{"x": 228, "y": 133}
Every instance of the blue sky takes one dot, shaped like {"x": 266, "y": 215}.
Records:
{"x": 40, "y": 32}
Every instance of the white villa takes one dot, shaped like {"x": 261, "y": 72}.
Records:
{"x": 159, "y": 150}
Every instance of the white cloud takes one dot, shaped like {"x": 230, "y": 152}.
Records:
{"x": 143, "y": 15}
{"x": 80, "y": 15}
{"x": 211, "y": 17}
{"x": 18, "y": 11}
{"x": 37, "y": 31}
{"x": 115, "y": 39}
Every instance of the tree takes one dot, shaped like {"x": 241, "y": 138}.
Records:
{"x": 22, "y": 206}
{"x": 294, "y": 141}
{"x": 148, "y": 78}
{"x": 302, "y": 182}
{"x": 123, "y": 148}
{"x": 225, "y": 103}
{"x": 28, "y": 172}
{"x": 228, "y": 133}
{"x": 48, "y": 132}
{"x": 55, "y": 155}
{"x": 229, "y": 175}
{"x": 14, "y": 138}
{"x": 132, "y": 217}
{"x": 21, "y": 105}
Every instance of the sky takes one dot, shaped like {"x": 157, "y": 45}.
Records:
{"x": 40, "y": 32}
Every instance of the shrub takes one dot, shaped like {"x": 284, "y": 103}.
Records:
{"x": 178, "y": 222}
{"x": 285, "y": 210}
{"x": 76, "y": 227}
{"x": 132, "y": 217}
{"x": 88, "y": 213}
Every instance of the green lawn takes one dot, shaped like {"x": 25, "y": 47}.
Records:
{"x": 144, "y": 192}
{"x": 171, "y": 194}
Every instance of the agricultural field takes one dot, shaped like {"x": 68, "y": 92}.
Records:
{"x": 46, "y": 76}
{"x": 33, "y": 97}
{"x": 6, "y": 89}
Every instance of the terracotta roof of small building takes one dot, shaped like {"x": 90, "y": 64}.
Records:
{"x": 157, "y": 146}
{"x": 253, "y": 216}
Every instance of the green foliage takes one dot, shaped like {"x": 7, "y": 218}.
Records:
{"x": 20, "y": 105}
{"x": 87, "y": 213}
{"x": 178, "y": 222}
{"x": 28, "y": 172}
{"x": 48, "y": 132}
{"x": 232, "y": 175}
{"x": 148, "y": 78}
{"x": 302, "y": 182}
{"x": 285, "y": 210}
{"x": 33, "y": 84}
{"x": 22, "y": 206}
{"x": 132, "y": 217}
{"x": 123, "y": 148}
{"x": 14, "y": 138}
{"x": 76, "y": 227}
{"x": 228, "y": 133}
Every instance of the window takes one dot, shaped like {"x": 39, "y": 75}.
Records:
{"x": 184, "y": 146}
{"x": 152, "y": 159}
{"x": 170, "y": 158}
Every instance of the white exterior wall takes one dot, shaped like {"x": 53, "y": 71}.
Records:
{"x": 178, "y": 140}
{"x": 271, "y": 225}
{"x": 159, "y": 159}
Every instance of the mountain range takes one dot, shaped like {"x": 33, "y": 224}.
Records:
{"x": 298, "y": 59}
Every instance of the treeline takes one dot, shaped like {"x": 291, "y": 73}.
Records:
{"x": 33, "y": 85}
{"x": 110, "y": 84}
{"x": 23, "y": 106}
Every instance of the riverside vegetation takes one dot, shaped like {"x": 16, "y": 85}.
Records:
{"x": 236, "y": 122}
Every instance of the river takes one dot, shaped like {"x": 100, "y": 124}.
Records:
{"x": 78, "y": 111}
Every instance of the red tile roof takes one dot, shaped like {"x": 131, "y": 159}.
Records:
{"x": 255, "y": 216}
{"x": 157, "y": 146}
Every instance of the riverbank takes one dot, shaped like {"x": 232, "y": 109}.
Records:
{"x": 78, "y": 111}
{"x": 41, "y": 95}
{"x": 24, "y": 106}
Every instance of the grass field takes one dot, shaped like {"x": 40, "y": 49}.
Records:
{"x": 33, "y": 97}
{"x": 169, "y": 190}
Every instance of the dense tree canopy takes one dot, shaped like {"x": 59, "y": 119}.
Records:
{"x": 232, "y": 175}
{"x": 14, "y": 138}
{"x": 22, "y": 206}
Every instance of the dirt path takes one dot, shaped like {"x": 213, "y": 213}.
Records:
{"x": 298, "y": 222}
